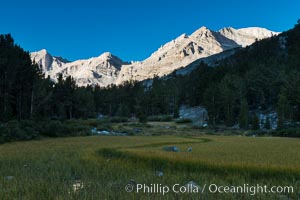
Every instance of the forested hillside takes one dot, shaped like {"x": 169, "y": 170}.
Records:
{"x": 18, "y": 79}
{"x": 263, "y": 76}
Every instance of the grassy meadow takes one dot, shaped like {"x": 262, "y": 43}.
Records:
{"x": 99, "y": 167}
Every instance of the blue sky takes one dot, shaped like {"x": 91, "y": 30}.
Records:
{"x": 131, "y": 29}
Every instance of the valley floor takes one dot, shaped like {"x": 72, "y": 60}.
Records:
{"x": 100, "y": 167}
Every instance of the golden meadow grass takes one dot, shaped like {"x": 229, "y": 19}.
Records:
{"x": 49, "y": 168}
{"x": 259, "y": 152}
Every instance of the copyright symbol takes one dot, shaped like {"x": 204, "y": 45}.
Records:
{"x": 129, "y": 188}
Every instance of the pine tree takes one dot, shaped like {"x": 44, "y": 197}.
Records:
{"x": 141, "y": 116}
{"x": 267, "y": 124}
{"x": 255, "y": 122}
{"x": 243, "y": 116}
{"x": 282, "y": 109}
{"x": 123, "y": 110}
{"x": 212, "y": 103}
{"x": 230, "y": 88}
{"x": 63, "y": 97}
{"x": 176, "y": 112}
{"x": 17, "y": 74}
{"x": 83, "y": 103}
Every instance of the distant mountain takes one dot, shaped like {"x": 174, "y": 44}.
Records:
{"x": 48, "y": 62}
{"x": 246, "y": 36}
{"x": 109, "y": 69}
{"x": 102, "y": 70}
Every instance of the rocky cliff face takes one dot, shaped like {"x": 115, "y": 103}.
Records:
{"x": 109, "y": 69}
{"x": 102, "y": 70}
{"x": 246, "y": 36}
{"x": 47, "y": 62}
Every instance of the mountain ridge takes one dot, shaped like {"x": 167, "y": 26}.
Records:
{"x": 108, "y": 69}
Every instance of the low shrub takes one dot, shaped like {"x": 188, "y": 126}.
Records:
{"x": 27, "y": 130}
{"x": 93, "y": 122}
{"x": 79, "y": 129}
{"x": 288, "y": 132}
{"x": 104, "y": 126}
{"x": 53, "y": 129}
{"x": 257, "y": 133}
{"x": 17, "y": 130}
{"x": 183, "y": 121}
{"x": 62, "y": 129}
{"x": 142, "y": 118}
{"x": 160, "y": 118}
{"x": 118, "y": 119}
{"x": 141, "y": 125}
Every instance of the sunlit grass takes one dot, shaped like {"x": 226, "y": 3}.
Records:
{"x": 49, "y": 168}
{"x": 262, "y": 152}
